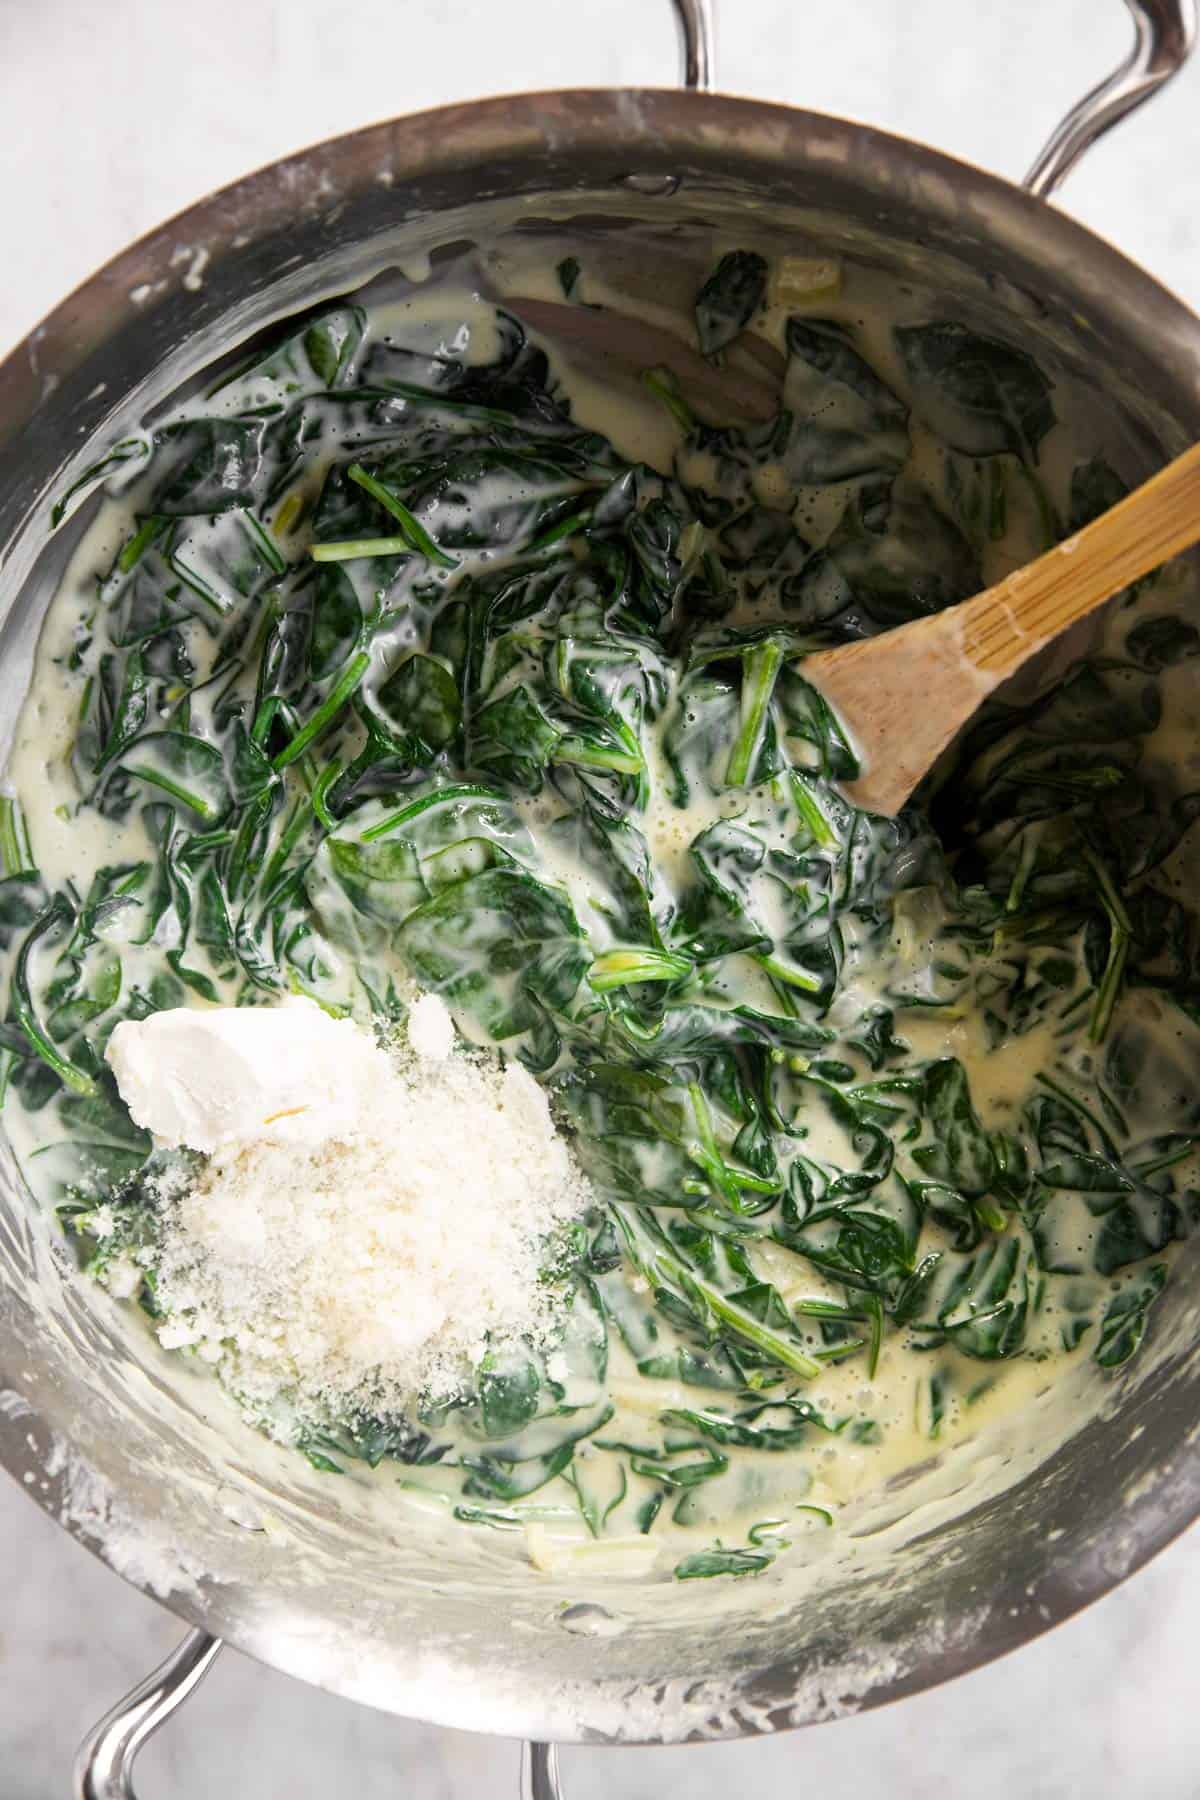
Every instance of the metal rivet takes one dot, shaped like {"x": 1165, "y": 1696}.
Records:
{"x": 658, "y": 187}
{"x": 587, "y": 1620}
{"x": 1017, "y": 299}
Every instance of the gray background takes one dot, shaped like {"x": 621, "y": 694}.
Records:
{"x": 114, "y": 116}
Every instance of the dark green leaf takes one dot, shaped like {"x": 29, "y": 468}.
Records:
{"x": 1157, "y": 643}
{"x": 721, "y": 1562}
{"x": 1126, "y": 1317}
{"x": 422, "y": 699}
{"x": 980, "y": 395}
{"x": 729, "y": 299}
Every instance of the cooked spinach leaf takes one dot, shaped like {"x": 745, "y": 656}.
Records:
{"x": 980, "y": 395}
{"x": 729, "y": 299}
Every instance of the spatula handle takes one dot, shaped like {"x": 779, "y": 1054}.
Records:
{"x": 1005, "y": 626}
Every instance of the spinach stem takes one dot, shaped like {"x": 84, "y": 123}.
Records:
{"x": 147, "y": 533}
{"x": 292, "y": 830}
{"x": 198, "y": 586}
{"x": 447, "y": 796}
{"x": 659, "y": 1264}
{"x": 410, "y": 527}
{"x": 624, "y": 968}
{"x": 320, "y": 789}
{"x": 810, "y": 810}
{"x": 290, "y": 508}
{"x": 16, "y": 857}
{"x": 789, "y": 974}
{"x": 58, "y": 913}
{"x": 353, "y": 548}
{"x": 1120, "y": 933}
{"x": 596, "y": 756}
{"x": 565, "y": 528}
{"x": 759, "y": 672}
{"x": 663, "y": 384}
{"x": 156, "y": 778}
{"x": 327, "y": 712}
{"x": 263, "y": 543}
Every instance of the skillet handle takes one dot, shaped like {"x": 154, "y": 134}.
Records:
{"x": 1164, "y": 36}
{"x": 104, "y": 1765}
{"x": 539, "y": 1772}
{"x": 697, "y": 31}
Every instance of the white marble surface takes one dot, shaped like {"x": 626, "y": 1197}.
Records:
{"x": 111, "y": 118}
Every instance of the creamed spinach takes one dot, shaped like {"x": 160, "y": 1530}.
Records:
{"x": 397, "y": 671}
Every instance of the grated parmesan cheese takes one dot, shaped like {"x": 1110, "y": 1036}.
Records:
{"x": 430, "y": 1028}
{"x": 380, "y": 1261}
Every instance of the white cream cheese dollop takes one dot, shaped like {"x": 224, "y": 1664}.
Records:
{"x": 211, "y": 1078}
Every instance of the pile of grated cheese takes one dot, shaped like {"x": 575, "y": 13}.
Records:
{"x": 380, "y": 1262}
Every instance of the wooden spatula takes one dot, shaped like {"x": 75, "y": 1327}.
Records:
{"x": 902, "y": 696}
{"x": 637, "y": 346}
